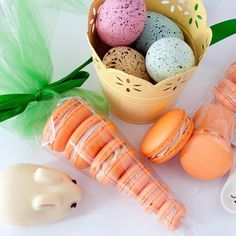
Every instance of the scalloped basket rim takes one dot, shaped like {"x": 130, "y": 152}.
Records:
{"x": 169, "y": 79}
{"x": 151, "y": 100}
{"x": 142, "y": 80}
{"x": 148, "y": 84}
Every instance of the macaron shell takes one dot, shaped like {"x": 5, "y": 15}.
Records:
{"x": 206, "y": 157}
{"x": 95, "y": 143}
{"x": 79, "y": 132}
{"x": 143, "y": 179}
{"x": 165, "y": 126}
{"x": 104, "y": 155}
{"x": 64, "y": 121}
{"x": 171, "y": 214}
{"x": 153, "y": 196}
{"x": 114, "y": 170}
{"x": 55, "y": 119}
{"x": 155, "y": 201}
{"x": 215, "y": 118}
{"x": 119, "y": 168}
{"x": 71, "y": 123}
{"x": 225, "y": 93}
{"x": 178, "y": 145}
{"x": 163, "y": 131}
{"x": 134, "y": 180}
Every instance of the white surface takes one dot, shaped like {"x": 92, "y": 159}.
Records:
{"x": 104, "y": 211}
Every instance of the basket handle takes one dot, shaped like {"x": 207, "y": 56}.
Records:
{"x": 223, "y": 30}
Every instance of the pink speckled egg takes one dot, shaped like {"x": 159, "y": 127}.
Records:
{"x": 120, "y": 22}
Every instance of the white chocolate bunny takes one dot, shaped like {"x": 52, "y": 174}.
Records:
{"x": 32, "y": 194}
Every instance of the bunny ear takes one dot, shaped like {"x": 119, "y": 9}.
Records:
{"x": 46, "y": 201}
{"x": 47, "y": 176}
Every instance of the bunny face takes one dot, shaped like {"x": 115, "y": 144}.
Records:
{"x": 32, "y": 194}
{"x": 228, "y": 194}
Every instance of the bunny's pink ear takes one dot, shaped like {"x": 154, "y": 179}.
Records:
{"x": 46, "y": 201}
{"x": 47, "y": 176}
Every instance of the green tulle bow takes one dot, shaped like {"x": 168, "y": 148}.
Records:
{"x": 26, "y": 71}
{"x": 14, "y": 104}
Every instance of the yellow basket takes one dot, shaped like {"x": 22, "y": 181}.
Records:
{"x": 133, "y": 99}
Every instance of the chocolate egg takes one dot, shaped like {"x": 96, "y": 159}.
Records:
{"x": 168, "y": 57}
{"x": 128, "y": 60}
{"x": 119, "y": 23}
{"x": 156, "y": 27}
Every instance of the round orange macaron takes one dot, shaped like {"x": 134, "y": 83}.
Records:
{"x": 112, "y": 161}
{"x": 63, "y": 122}
{"x": 134, "y": 179}
{"x": 167, "y": 136}
{"x": 88, "y": 139}
{"x": 208, "y": 154}
{"x": 171, "y": 214}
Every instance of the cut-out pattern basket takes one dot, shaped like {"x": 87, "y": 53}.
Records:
{"x": 136, "y": 100}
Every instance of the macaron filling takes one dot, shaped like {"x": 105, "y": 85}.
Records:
{"x": 109, "y": 162}
{"x": 78, "y": 147}
{"x": 165, "y": 149}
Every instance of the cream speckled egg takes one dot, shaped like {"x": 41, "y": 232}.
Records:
{"x": 157, "y": 26}
{"x": 168, "y": 57}
{"x": 128, "y": 60}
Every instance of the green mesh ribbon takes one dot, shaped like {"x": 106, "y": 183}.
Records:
{"x": 223, "y": 30}
{"x": 26, "y": 71}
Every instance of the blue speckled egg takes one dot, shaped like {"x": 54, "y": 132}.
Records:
{"x": 168, "y": 57}
{"x": 156, "y": 27}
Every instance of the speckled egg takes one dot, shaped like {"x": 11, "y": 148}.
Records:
{"x": 128, "y": 60}
{"x": 156, "y": 27}
{"x": 168, "y": 57}
{"x": 120, "y": 22}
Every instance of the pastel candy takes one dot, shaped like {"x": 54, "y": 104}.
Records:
{"x": 128, "y": 60}
{"x": 157, "y": 26}
{"x": 168, "y": 57}
{"x": 119, "y": 23}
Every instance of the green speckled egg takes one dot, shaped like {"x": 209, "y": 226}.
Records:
{"x": 157, "y": 26}
{"x": 168, "y": 57}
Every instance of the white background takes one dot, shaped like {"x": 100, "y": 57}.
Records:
{"x": 104, "y": 211}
